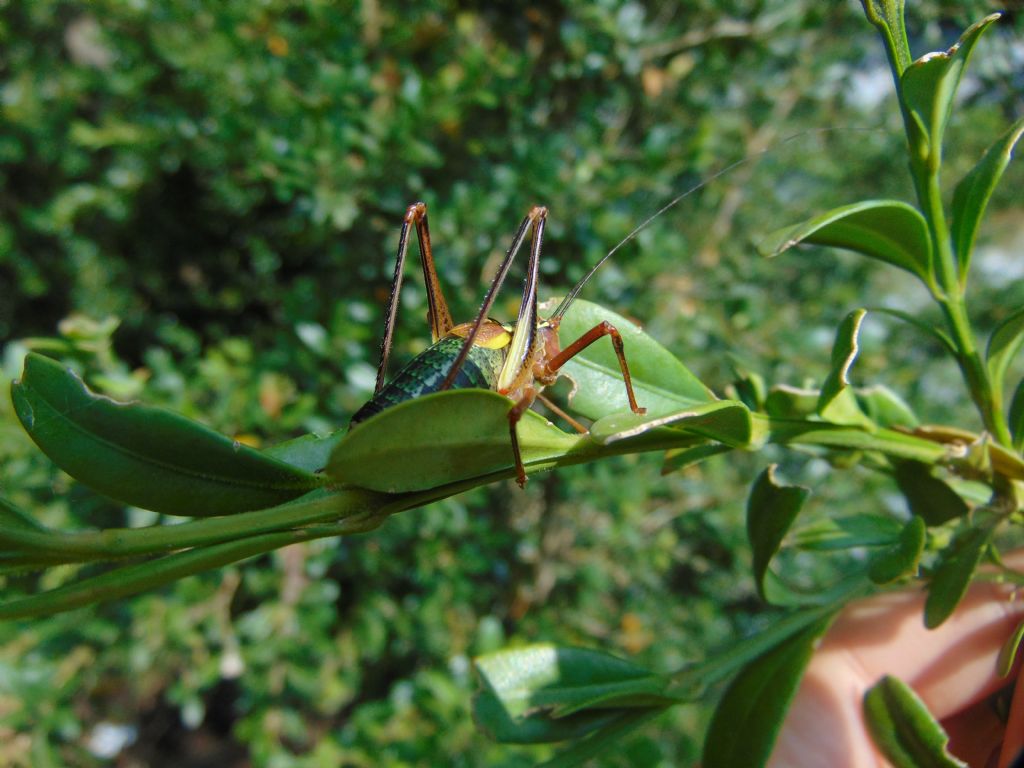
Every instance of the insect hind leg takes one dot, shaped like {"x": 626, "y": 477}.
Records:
{"x": 604, "y": 328}
{"x": 438, "y": 315}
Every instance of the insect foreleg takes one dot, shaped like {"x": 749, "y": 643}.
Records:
{"x": 438, "y": 316}
{"x": 603, "y": 328}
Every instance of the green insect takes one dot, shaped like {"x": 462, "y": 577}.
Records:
{"x": 516, "y": 360}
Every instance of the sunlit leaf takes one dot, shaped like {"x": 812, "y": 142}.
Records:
{"x": 837, "y": 403}
{"x": 903, "y": 729}
{"x": 888, "y": 230}
{"x": 973, "y": 192}
{"x": 309, "y": 452}
{"x": 543, "y": 693}
{"x": 662, "y": 383}
{"x": 887, "y": 16}
{"x": 1009, "y": 651}
{"x": 885, "y": 408}
{"x": 748, "y": 717}
{"x": 146, "y": 456}
{"x": 725, "y": 421}
{"x": 787, "y": 402}
{"x": 928, "y": 87}
{"x": 439, "y": 439}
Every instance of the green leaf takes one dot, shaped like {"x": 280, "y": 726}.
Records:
{"x": 725, "y": 421}
{"x": 953, "y": 574}
{"x": 681, "y": 458}
{"x": 928, "y": 496}
{"x": 1008, "y": 651}
{"x": 888, "y": 230}
{"x": 543, "y": 693}
{"x": 13, "y": 517}
{"x": 309, "y": 452}
{"x": 788, "y": 402}
{"x": 771, "y": 510}
{"x": 837, "y": 403}
{"x": 883, "y": 441}
{"x": 930, "y": 329}
{"x": 864, "y": 530}
{"x": 146, "y": 456}
{"x": 887, "y": 16}
{"x": 747, "y": 719}
{"x": 903, "y": 729}
{"x": 1003, "y": 345}
{"x": 974, "y": 190}
{"x": 1016, "y": 417}
{"x": 608, "y": 736}
{"x": 927, "y": 90}
{"x": 662, "y": 384}
{"x": 132, "y": 579}
{"x": 885, "y": 408}
{"x": 439, "y": 439}
{"x": 902, "y": 558}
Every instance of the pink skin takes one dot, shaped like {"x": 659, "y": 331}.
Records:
{"x": 951, "y": 668}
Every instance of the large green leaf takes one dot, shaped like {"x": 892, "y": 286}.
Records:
{"x": 662, "y": 383}
{"x": 543, "y": 693}
{"x": 747, "y": 720}
{"x": 889, "y": 230}
{"x": 771, "y": 510}
{"x": 903, "y": 729}
{"x": 974, "y": 190}
{"x": 928, "y": 87}
{"x": 439, "y": 439}
{"x": 146, "y": 456}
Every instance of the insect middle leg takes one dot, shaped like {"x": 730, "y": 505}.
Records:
{"x": 549, "y": 370}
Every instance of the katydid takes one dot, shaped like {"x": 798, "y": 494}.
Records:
{"x": 516, "y": 360}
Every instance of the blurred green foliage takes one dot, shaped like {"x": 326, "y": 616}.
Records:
{"x": 227, "y": 180}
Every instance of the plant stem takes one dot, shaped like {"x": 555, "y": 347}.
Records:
{"x": 950, "y": 298}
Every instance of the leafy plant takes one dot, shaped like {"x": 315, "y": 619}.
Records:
{"x": 250, "y": 501}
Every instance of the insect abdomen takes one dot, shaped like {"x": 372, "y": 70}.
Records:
{"x": 426, "y": 372}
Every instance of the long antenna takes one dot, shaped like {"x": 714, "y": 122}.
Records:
{"x": 571, "y": 296}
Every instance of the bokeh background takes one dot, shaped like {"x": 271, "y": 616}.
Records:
{"x": 199, "y": 205}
